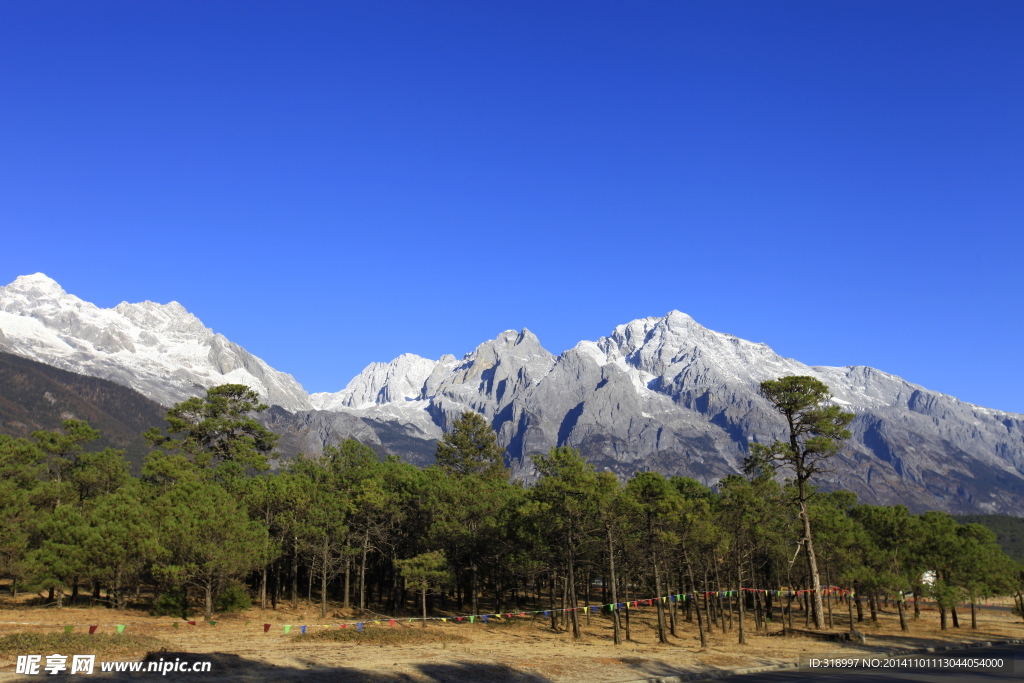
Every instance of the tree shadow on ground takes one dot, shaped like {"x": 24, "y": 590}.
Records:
{"x": 229, "y": 668}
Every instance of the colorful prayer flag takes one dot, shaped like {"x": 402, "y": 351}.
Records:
{"x": 303, "y": 629}
{"x": 359, "y": 626}
{"x": 287, "y": 629}
{"x": 266, "y": 627}
{"x": 120, "y": 628}
{"x": 392, "y": 624}
{"x": 68, "y": 629}
{"x": 92, "y": 629}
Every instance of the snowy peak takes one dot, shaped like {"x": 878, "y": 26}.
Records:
{"x": 400, "y": 380}
{"x": 160, "y": 350}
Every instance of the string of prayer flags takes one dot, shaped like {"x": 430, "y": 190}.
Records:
{"x": 92, "y": 629}
{"x": 266, "y": 627}
{"x": 120, "y": 628}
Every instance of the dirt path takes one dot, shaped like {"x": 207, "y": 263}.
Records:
{"x": 522, "y": 650}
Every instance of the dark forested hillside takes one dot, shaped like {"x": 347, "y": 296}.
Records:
{"x": 1009, "y": 531}
{"x": 36, "y": 396}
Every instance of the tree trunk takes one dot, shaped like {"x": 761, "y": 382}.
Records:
{"x": 942, "y": 617}
{"x": 956, "y": 621}
{"x": 348, "y": 582}
{"x": 362, "y": 572}
{"x": 570, "y": 587}
{"x": 295, "y": 575}
{"x": 662, "y": 636}
{"x": 812, "y": 560}
{"x": 423, "y": 601}
{"x": 323, "y": 582}
{"x": 208, "y": 602}
{"x": 472, "y": 590}
{"x": 614, "y": 589}
{"x": 263, "y": 588}
{"x": 903, "y": 613}
{"x": 740, "y": 600}
{"x": 696, "y": 603}
{"x": 873, "y": 606}
{"x": 849, "y": 607}
{"x": 974, "y": 614}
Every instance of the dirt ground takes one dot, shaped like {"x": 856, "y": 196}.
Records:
{"x": 523, "y": 650}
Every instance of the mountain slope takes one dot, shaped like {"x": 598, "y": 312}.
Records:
{"x": 670, "y": 395}
{"x": 160, "y": 350}
{"x": 662, "y": 394}
{"x": 35, "y": 396}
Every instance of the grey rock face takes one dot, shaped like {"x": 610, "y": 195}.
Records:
{"x": 663, "y": 394}
{"x": 667, "y": 394}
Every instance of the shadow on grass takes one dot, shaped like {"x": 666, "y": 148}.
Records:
{"x": 228, "y": 668}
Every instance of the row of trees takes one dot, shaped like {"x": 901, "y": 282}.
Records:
{"x": 208, "y": 517}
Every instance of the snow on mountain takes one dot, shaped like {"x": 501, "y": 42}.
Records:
{"x": 400, "y": 380}
{"x": 160, "y": 350}
{"x": 663, "y": 394}
{"x": 671, "y": 395}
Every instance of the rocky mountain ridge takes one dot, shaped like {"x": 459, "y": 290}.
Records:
{"x": 662, "y": 394}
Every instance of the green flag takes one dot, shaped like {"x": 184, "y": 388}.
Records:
{"x": 287, "y": 628}
{"x": 68, "y": 629}
{"x": 120, "y": 628}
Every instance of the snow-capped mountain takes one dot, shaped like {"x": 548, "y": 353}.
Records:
{"x": 671, "y": 395}
{"x": 662, "y": 394}
{"x": 161, "y": 350}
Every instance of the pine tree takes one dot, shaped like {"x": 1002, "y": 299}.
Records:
{"x": 817, "y": 431}
{"x": 471, "y": 447}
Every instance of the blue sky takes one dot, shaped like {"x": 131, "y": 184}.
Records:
{"x": 334, "y": 183}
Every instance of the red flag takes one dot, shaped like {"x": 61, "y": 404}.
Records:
{"x": 92, "y": 629}
{"x": 191, "y": 623}
{"x": 392, "y": 623}
{"x": 461, "y": 618}
{"x": 266, "y": 627}
{"x": 344, "y": 625}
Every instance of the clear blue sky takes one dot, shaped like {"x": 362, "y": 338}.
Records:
{"x": 334, "y": 183}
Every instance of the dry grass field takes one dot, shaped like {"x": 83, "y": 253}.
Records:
{"x": 519, "y": 650}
